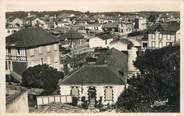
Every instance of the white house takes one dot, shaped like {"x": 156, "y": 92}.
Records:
{"x": 17, "y": 22}
{"x": 163, "y": 34}
{"x": 101, "y": 40}
{"x": 40, "y": 23}
{"x": 94, "y": 27}
{"x": 119, "y": 44}
{"x": 93, "y": 83}
{"x": 125, "y": 27}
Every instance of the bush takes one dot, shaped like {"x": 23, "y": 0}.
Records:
{"x": 41, "y": 76}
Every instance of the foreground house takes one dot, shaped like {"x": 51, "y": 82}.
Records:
{"x": 29, "y": 47}
{"x": 163, "y": 34}
{"x": 93, "y": 84}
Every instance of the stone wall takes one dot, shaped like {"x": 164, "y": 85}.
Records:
{"x": 19, "y": 104}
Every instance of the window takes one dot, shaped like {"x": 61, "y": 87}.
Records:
{"x": 55, "y": 59}
{"x": 160, "y": 44}
{"x": 168, "y": 37}
{"x": 153, "y": 36}
{"x": 55, "y": 47}
{"x": 105, "y": 42}
{"x": 150, "y": 36}
{"x": 48, "y": 48}
{"x": 6, "y": 65}
{"x": 168, "y": 43}
{"x": 153, "y": 44}
{"x": 31, "y": 52}
{"x": 40, "y": 50}
{"x": 145, "y": 45}
{"x": 75, "y": 91}
{"x": 48, "y": 60}
{"x": 108, "y": 93}
{"x": 172, "y": 37}
{"x": 160, "y": 35}
{"x": 41, "y": 61}
{"x": 8, "y": 31}
{"x": 164, "y": 36}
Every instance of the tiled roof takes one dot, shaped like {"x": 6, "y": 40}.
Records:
{"x": 104, "y": 36}
{"x": 165, "y": 27}
{"x": 73, "y": 35}
{"x": 92, "y": 74}
{"x": 122, "y": 40}
{"x": 110, "y": 25}
{"x": 115, "y": 60}
{"x": 30, "y": 37}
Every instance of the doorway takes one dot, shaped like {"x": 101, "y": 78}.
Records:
{"x": 92, "y": 96}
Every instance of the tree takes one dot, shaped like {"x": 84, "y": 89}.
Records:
{"x": 159, "y": 80}
{"x": 152, "y": 18}
{"x": 41, "y": 76}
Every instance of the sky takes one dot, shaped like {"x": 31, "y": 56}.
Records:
{"x": 92, "y": 5}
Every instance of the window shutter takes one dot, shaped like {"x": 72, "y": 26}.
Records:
{"x": 75, "y": 91}
{"x": 108, "y": 94}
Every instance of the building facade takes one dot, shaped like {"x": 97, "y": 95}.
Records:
{"x": 125, "y": 28}
{"x": 30, "y": 47}
{"x": 93, "y": 84}
{"x": 163, "y": 34}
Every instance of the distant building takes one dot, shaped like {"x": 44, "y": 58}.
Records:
{"x": 39, "y": 23}
{"x": 110, "y": 27}
{"x": 17, "y": 22}
{"x": 101, "y": 40}
{"x": 29, "y": 47}
{"x": 13, "y": 26}
{"x": 125, "y": 28}
{"x": 35, "y": 22}
{"x": 120, "y": 44}
{"x": 163, "y": 34}
{"x": 140, "y": 23}
{"x": 94, "y": 27}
